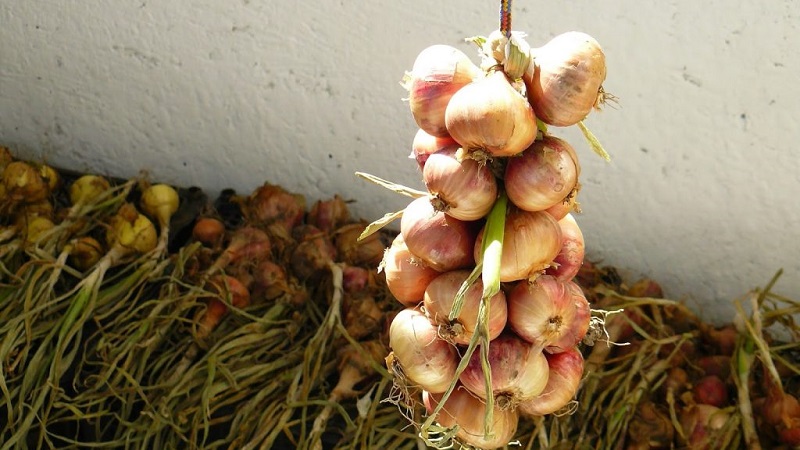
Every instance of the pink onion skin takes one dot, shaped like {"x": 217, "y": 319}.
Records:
{"x": 407, "y": 276}
{"x": 439, "y": 72}
{"x": 532, "y": 241}
{"x": 566, "y": 372}
{"x": 463, "y": 189}
{"x": 441, "y": 241}
{"x": 468, "y": 412}
{"x": 438, "y": 301}
{"x": 564, "y": 78}
{"x": 427, "y": 360}
{"x": 425, "y": 145}
{"x": 543, "y": 175}
{"x": 573, "y": 249}
{"x": 549, "y": 313}
{"x": 489, "y": 115}
{"x": 519, "y": 371}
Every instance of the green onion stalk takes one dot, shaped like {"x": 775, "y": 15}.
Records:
{"x": 488, "y": 267}
{"x": 129, "y": 233}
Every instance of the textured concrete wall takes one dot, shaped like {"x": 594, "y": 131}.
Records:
{"x": 702, "y": 192}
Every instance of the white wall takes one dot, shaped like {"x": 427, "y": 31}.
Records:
{"x": 702, "y": 192}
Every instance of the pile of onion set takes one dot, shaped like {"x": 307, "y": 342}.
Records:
{"x": 486, "y": 256}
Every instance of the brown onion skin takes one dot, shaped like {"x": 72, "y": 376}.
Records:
{"x": 573, "y": 249}
{"x": 549, "y": 313}
{"x": 438, "y": 301}
{"x": 532, "y": 241}
{"x": 519, "y": 371}
{"x": 489, "y": 115}
{"x": 425, "y": 145}
{"x": 328, "y": 215}
{"x": 441, "y": 241}
{"x": 366, "y": 252}
{"x": 566, "y": 372}
{"x": 463, "y": 189}
{"x": 564, "y": 78}
{"x": 439, "y": 72}
{"x": 427, "y": 360}
{"x": 407, "y": 276}
{"x": 542, "y": 176}
{"x": 468, "y": 412}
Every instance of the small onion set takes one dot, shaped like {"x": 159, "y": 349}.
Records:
{"x": 487, "y": 253}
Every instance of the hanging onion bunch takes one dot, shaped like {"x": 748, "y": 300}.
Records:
{"x": 497, "y": 208}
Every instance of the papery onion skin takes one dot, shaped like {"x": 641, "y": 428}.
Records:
{"x": 489, "y": 115}
{"x": 439, "y": 71}
{"x": 573, "y": 249}
{"x": 407, "y": 276}
{"x": 564, "y": 78}
{"x": 426, "y": 359}
{"x": 531, "y": 242}
{"x": 463, "y": 189}
{"x": 438, "y": 301}
{"x": 441, "y": 241}
{"x": 569, "y": 205}
{"x": 519, "y": 371}
{"x": 548, "y": 313}
{"x": 543, "y": 175}
{"x": 564, "y": 379}
{"x": 425, "y": 145}
{"x": 468, "y": 412}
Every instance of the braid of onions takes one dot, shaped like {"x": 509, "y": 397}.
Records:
{"x": 497, "y": 213}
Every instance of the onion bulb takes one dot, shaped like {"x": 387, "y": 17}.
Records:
{"x": 426, "y": 359}
{"x": 463, "y": 189}
{"x": 490, "y": 117}
{"x": 564, "y": 78}
{"x": 86, "y": 252}
{"x": 570, "y": 259}
{"x": 549, "y": 313}
{"x": 160, "y": 201}
{"x": 439, "y": 71}
{"x": 443, "y": 242}
{"x": 425, "y": 145}
{"x": 270, "y": 204}
{"x": 328, "y": 215}
{"x": 462, "y": 408}
{"x": 438, "y": 301}
{"x": 407, "y": 276}
{"x": 23, "y": 183}
{"x": 565, "y": 374}
{"x": 532, "y": 240}
{"x": 542, "y": 176}
{"x": 132, "y": 231}
{"x": 367, "y": 252}
{"x": 209, "y": 231}
{"x": 519, "y": 371}
{"x": 87, "y": 189}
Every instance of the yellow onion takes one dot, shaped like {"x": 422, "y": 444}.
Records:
{"x": 490, "y": 117}
{"x": 24, "y": 183}
{"x": 407, "y": 276}
{"x": 542, "y": 176}
{"x": 29, "y": 211}
{"x": 549, "y": 313}
{"x": 426, "y": 359}
{"x": 160, "y": 201}
{"x": 439, "y": 71}
{"x": 462, "y": 408}
{"x": 36, "y": 228}
{"x": 438, "y": 301}
{"x": 131, "y": 231}
{"x": 519, "y": 371}
{"x": 564, "y": 78}
{"x": 531, "y": 242}
{"x": 425, "y": 145}
{"x": 465, "y": 189}
{"x": 570, "y": 259}
{"x": 50, "y": 176}
{"x": 86, "y": 252}
{"x": 443, "y": 242}
{"x": 87, "y": 189}
{"x": 565, "y": 374}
